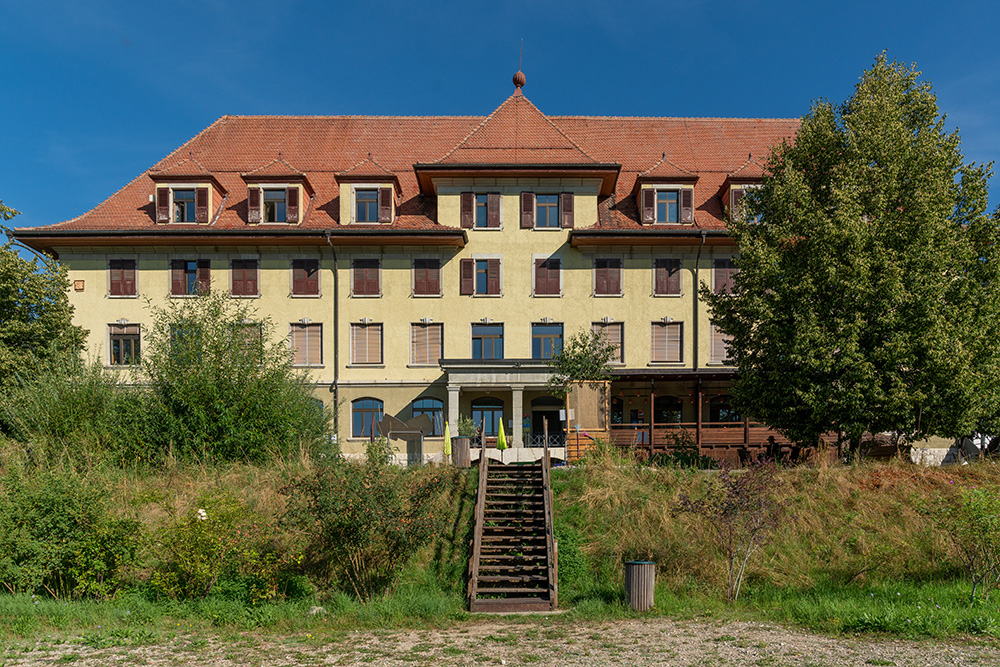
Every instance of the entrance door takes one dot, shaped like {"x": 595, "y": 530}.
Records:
{"x": 545, "y": 412}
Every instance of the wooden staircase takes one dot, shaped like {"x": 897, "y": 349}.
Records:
{"x": 513, "y": 566}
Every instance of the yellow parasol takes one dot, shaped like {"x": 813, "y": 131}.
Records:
{"x": 447, "y": 441}
{"x": 501, "y": 439}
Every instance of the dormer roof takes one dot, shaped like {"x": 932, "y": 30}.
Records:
{"x": 278, "y": 170}
{"x": 185, "y": 170}
{"x": 369, "y": 169}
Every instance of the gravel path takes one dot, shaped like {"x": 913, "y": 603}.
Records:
{"x": 501, "y": 642}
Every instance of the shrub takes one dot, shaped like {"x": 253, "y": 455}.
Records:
{"x": 220, "y": 547}
{"x": 366, "y": 520}
{"x": 742, "y": 511}
{"x": 971, "y": 519}
{"x": 223, "y": 389}
{"x": 58, "y": 536}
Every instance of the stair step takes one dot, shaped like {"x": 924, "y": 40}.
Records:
{"x": 513, "y": 578}
{"x": 511, "y": 589}
{"x": 510, "y": 605}
{"x": 512, "y": 568}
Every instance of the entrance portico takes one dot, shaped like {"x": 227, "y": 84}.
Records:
{"x": 493, "y": 390}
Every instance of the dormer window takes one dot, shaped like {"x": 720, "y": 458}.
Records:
{"x": 547, "y": 211}
{"x": 182, "y": 204}
{"x": 273, "y": 204}
{"x": 366, "y": 205}
{"x": 667, "y": 205}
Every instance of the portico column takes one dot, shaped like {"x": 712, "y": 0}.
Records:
{"x": 516, "y": 423}
{"x": 453, "y": 391}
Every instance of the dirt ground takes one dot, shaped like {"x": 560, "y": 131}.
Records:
{"x": 503, "y": 642}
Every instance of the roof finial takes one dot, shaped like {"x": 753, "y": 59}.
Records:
{"x": 664, "y": 157}
{"x": 750, "y": 157}
{"x": 519, "y": 79}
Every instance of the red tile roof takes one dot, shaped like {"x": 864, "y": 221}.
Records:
{"x": 276, "y": 168}
{"x": 516, "y": 133}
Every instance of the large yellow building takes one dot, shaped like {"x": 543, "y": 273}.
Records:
{"x": 429, "y": 265}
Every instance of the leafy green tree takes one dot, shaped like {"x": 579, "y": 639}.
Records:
{"x": 866, "y": 299}
{"x": 584, "y": 359}
{"x": 223, "y": 387}
{"x": 35, "y": 314}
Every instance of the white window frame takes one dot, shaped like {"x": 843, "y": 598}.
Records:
{"x": 498, "y": 256}
{"x": 593, "y": 276}
{"x": 413, "y": 279}
{"x": 476, "y": 193}
{"x": 291, "y": 347}
{"x": 354, "y": 203}
{"x": 107, "y": 341}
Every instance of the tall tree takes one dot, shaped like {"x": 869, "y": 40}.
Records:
{"x": 866, "y": 299}
{"x": 35, "y": 314}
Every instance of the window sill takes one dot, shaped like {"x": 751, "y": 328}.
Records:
{"x": 122, "y": 296}
{"x": 547, "y": 296}
{"x": 423, "y": 365}
{"x": 365, "y": 365}
{"x": 185, "y": 296}
{"x": 609, "y": 296}
{"x": 673, "y": 224}
{"x": 487, "y": 229}
{"x": 122, "y": 367}
{"x": 667, "y": 296}
{"x": 719, "y": 364}
{"x": 548, "y": 229}
{"x": 308, "y": 365}
{"x": 487, "y": 296}
{"x": 244, "y": 296}
{"x": 668, "y": 364}
{"x": 366, "y": 296}
{"x": 426, "y": 296}
{"x": 305, "y": 296}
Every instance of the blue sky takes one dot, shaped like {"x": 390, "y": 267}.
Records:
{"x": 93, "y": 93}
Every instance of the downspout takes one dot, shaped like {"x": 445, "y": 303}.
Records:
{"x": 697, "y": 297}
{"x": 336, "y": 334}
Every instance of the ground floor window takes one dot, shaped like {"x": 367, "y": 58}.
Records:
{"x": 433, "y": 408}
{"x": 365, "y": 414}
{"x": 487, "y": 413}
{"x": 668, "y": 410}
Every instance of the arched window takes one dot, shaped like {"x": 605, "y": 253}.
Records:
{"x": 720, "y": 409}
{"x": 617, "y": 410}
{"x": 365, "y": 414}
{"x": 433, "y": 408}
{"x": 487, "y": 413}
{"x": 668, "y": 410}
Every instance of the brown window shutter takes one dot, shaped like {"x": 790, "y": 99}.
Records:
{"x": 253, "y": 205}
{"x": 419, "y": 276}
{"x": 298, "y": 276}
{"x": 250, "y": 277}
{"x": 527, "y": 210}
{"x": 128, "y": 277}
{"x": 541, "y": 276}
{"x": 723, "y": 272}
{"x": 163, "y": 204}
{"x": 555, "y": 268}
{"x": 735, "y": 201}
{"x": 566, "y": 208}
{"x": 493, "y": 209}
{"x": 372, "y": 283}
{"x": 292, "y": 204}
{"x": 204, "y": 276}
{"x": 433, "y": 276}
{"x": 115, "y": 273}
{"x": 687, "y": 205}
{"x": 614, "y": 276}
{"x": 201, "y": 205}
{"x": 468, "y": 209}
{"x": 467, "y": 268}
{"x": 177, "y": 276}
{"x": 648, "y": 207}
{"x": 385, "y": 205}
{"x": 311, "y": 283}
{"x": 668, "y": 277}
{"x": 493, "y": 276}
{"x": 359, "y": 278}
{"x": 236, "y": 268}
{"x": 661, "y": 272}
{"x": 600, "y": 276}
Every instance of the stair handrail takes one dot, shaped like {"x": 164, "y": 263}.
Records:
{"x": 550, "y": 551}
{"x": 477, "y": 540}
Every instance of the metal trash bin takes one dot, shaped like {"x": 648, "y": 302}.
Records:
{"x": 640, "y": 580}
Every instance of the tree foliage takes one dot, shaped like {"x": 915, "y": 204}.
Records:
{"x": 584, "y": 359}
{"x": 867, "y": 297}
{"x": 35, "y": 314}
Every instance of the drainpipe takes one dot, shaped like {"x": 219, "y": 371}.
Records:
{"x": 336, "y": 333}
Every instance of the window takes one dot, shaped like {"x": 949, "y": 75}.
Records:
{"x": 668, "y": 206}
{"x": 433, "y": 408}
{"x": 723, "y": 273}
{"x": 667, "y": 342}
{"x": 366, "y": 343}
{"x": 121, "y": 275}
{"x": 480, "y": 277}
{"x": 305, "y": 277}
{"x": 244, "y": 275}
{"x": 720, "y": 410}
{"x": 426, "y": 343}
{"x": 306, "y": 341}
{"x": 367, "y": 205}
{"x": 546, "y": 340}
{"x": 274, "y": 205}
{"x": 279, "y": 204}
{"x": 548, "y": 276}
{"x": 190, "y": 277}
{"x": 366, "y": 277}
{"x": 666, "y": 277}
{"x": 184, "y": 206}
{"x": 614, "y": 332}
{"x": 427, "y": 277}
{"x": 366, "y": 413}
{"x": 607, "y": 277}
{"x": 719, "y": 350}
{"x": 124, "y": 344}
{"x": 547, "y": 211}
{"x": 251, "y": 338}
{"x": 481, "y": 211}
{"x": 487, "y": 341}
{"x": 487, "y": 414}
{"x": 668, "y": 410}
{"x": 181, "y": 204}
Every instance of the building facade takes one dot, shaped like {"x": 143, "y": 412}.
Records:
{"x": 429, "y": 265}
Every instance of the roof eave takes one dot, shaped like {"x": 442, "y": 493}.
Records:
{"x": 658, "y": 236}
